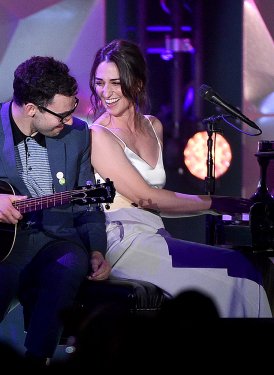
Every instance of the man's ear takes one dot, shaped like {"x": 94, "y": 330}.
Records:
{"x": 30, "y": 109}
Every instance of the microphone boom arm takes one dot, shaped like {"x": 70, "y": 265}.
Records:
{"x": 208, "y": 94}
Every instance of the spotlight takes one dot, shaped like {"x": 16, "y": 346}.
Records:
{"x": 195, "y": 155}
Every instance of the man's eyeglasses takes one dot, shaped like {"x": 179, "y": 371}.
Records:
{"x": 61, "y": 116}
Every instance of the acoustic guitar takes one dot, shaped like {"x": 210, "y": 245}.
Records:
{"x": 89, "y": 194}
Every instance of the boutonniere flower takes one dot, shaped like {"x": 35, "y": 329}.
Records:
{"x": 61, "y": 178}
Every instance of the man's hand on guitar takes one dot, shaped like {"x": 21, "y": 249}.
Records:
{"x": 9, "y": 214}
{"x": 230, "y": 205}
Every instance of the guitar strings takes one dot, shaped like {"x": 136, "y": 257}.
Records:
{"x": 47, "y": 201}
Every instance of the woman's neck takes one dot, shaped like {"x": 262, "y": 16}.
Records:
{"x": 131, "y": 122}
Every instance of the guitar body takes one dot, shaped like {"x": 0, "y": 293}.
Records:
{"x": 89, "y": 194}
{"x": 8, "y": 231}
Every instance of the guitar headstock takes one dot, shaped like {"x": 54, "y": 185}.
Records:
{"x": 94, "y": 193}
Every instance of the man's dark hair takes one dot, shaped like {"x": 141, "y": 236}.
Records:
{"x": 39, "y": 79}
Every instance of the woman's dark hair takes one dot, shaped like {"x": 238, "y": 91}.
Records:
{"x": 39, "y": 79}
{"x": 132, "y": 69}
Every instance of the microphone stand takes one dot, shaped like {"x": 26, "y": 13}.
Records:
{"x": 210, "y": 124}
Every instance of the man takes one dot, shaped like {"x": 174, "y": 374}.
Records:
{"x": 48, "y": 244}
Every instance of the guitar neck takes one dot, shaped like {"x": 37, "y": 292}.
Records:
{"x": 40, "y": 203}
{"x": 89, "y": 194}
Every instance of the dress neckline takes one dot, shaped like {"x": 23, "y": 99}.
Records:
{"x": 143, "y": 160}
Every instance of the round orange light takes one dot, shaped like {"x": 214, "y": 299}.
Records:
{"x": 196, "y": 150}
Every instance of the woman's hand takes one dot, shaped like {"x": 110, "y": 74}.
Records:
{"x": 230, "y": 205}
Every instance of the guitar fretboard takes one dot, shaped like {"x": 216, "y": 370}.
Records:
{"x": 40, "y": 203}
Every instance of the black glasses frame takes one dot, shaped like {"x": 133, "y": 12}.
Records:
{"x": 61, "y": 116}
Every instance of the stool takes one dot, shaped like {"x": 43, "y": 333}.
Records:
{"x": 132, "y": 296}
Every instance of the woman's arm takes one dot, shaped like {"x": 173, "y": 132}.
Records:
{"x": 109, "y": 160}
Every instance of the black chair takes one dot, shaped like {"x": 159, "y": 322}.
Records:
{"x": 126, "y": 295}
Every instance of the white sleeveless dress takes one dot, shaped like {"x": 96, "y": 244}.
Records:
{"x": 140, "y": 248}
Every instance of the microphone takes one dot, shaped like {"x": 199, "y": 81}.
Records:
{"x": 207, "y": 93}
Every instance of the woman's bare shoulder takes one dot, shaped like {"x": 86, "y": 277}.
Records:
{"x": 102, "y": 133}
{"x": 156, "y": 123}
{"x": 102, "y": 121}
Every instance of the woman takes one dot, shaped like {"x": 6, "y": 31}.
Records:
{"x": 127, "y": 148}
